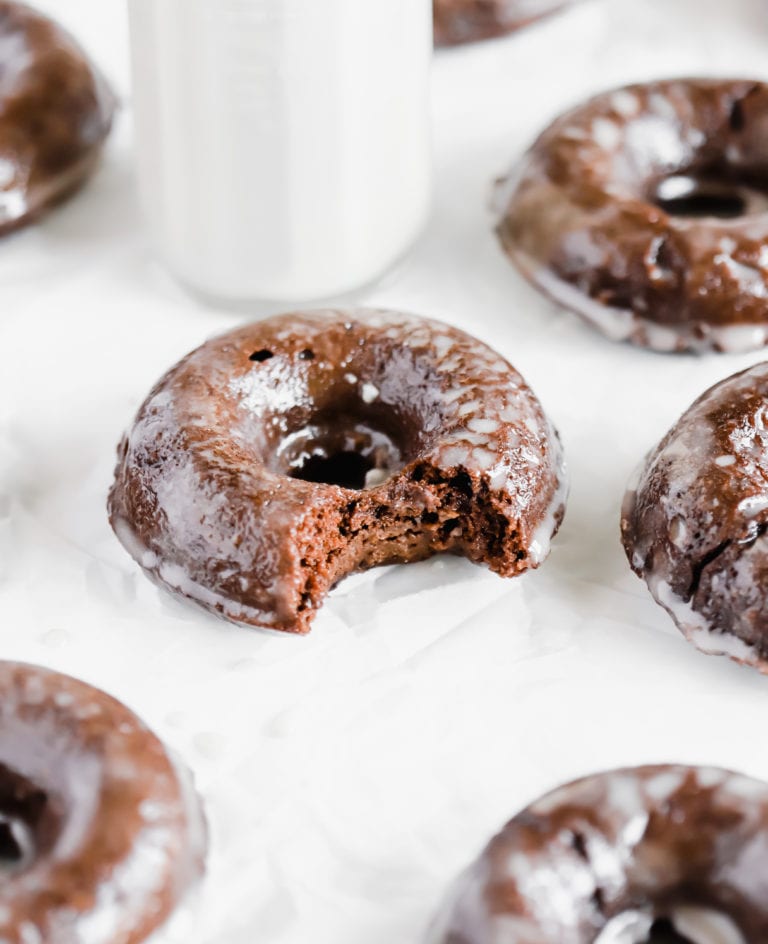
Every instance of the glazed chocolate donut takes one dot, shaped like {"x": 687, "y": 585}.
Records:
{"x": 101, "y": 834}
{"x": 644, "y": 211}
{"x": 467, "y": 21}
{"x": 651, "y": 854}
{"x": 55, "y": 113}
{"x": 277, "y": 459}
{"x": 694, "y": 525}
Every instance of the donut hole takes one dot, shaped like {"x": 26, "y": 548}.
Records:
{"x": 345, "y": 450}
{"x": 690, "y": 926}
{"x": 663, "y": 931}
{"x": 350, "y": 417}
{"x": 350, "y": 437}
{"x": 695, "y": 196}
{"x": 17, "y": 845}
{"x": 347, "y": 469}
{"x": 25, "y": 821}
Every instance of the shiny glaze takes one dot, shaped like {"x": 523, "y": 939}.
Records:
{"x": 467, "y": 21}
{"x": 463, "y": 457}
{"x": 694, "y": 524}
{"x": 55, "y": 113}
{"x": 598, "y": 860}
{"x": 112, "y": 831}
{"x": 581, "y": 218}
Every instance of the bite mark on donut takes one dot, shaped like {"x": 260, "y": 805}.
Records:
{"x": 431, "y": 513}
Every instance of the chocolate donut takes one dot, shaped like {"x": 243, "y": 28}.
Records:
{"x": 278, "y": 458}
{"x": 694, "y": 524}
{"x": 644, "y": 211}
{"x": 467, "y": 21}
{"x": 100, "y": 832}
{"x": 55, "y": 113}
{"x": 651, "y": 854}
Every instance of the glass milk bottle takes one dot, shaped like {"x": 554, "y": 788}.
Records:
{"x": 283, "y": 145}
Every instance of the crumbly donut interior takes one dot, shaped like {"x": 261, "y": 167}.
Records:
{"x": 426, "y": 512}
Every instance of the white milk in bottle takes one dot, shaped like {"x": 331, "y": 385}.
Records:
{"x": 283, "y": 145}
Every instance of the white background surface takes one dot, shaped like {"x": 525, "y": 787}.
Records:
{"x": 349, "y": 775}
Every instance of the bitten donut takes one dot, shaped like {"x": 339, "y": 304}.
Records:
{"x": 101, "y": 834}
{"x": 694, "y": 524}
{"x": 645, "y": 211}
{"x": 666, "y": 854}
{"x": 467, "y": 21}
{"x": 55, "y": 113}
{"x": 276, "y": 459}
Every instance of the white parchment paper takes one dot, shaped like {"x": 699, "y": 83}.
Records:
{"x": 349, "y": 775}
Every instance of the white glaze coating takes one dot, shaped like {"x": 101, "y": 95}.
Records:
{"x": 694, "y": 519}
{"x": 43, "y": 69}
{"x": 229, "y": 511}
{"x": 132, "y": 835}
{"x": 621, "y": 839}
{"x": 624, "y": 324}
{"x": 578, "y": 217}
{"x": 552, "y": 627}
